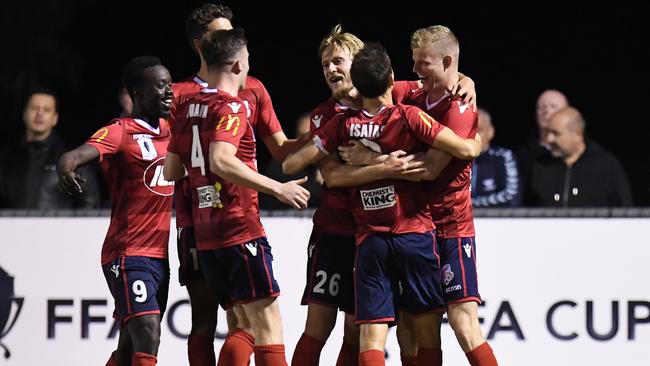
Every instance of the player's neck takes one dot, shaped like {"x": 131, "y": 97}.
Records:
{"x": 154, "y": 122}
{"x": 203, "y": 71}
{"x": 224, "y": 82}
{"x": 442, "y": 89}
{"x": 374, "y": 105}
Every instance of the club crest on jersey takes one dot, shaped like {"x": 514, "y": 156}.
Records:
{"x": 146, "y": 146}
{"x": 447, "y": 274}
{"x": 154, "y": 180}
{"x": 316, "y": 120}
{"x": 378, "y": 198}
{"x": 210, "y": 196}
{"x": 368, "y": 130}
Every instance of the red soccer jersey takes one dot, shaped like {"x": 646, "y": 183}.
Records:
{"x": 391, "y": 205}
{"x": 333, "y": 216}
{"x": 259, "y": 108}
{"x": 224, "y": 213}
{"x": 451, "y": 203}
{"x": 132, "y": 155}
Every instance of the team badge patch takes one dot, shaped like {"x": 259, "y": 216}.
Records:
{"x": 447, "y": 274}
{"x": 146, "y": 146}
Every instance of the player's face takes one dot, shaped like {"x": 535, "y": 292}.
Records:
{"x": 336, "y": 63}
{"x": 242, "y": 58}
{"x": 40, "y": 114}
{"x": 561, "y": 138}
{"x": 427, "y": 63}
{"x": 547, "y": 104}
{"x": 156, "y": 95}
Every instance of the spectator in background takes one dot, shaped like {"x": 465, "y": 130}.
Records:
{"x": 28, "y": 177}
{"x": 577, "y": 172}
{"x": 495, "y": 176}
{"x": 274, "y": 171}
{"x": 549, "y": 102}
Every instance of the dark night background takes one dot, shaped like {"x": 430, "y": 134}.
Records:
{"x": 593, "y": 55}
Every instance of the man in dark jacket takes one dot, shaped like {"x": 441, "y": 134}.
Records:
{"x": 577, "y": 172}
{"x": 28, "y": 167}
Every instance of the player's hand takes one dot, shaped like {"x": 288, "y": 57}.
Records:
{"x": 357, "y": 154}
{"x": 478, "y": 146}
{"x": 465, "y": 90}
{"x": 293, "y": 194}
{"x": 399, "y": 165}
{"x": 70, "y": 183}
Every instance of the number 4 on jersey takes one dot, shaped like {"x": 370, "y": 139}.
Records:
{"x": 197, "y": 151}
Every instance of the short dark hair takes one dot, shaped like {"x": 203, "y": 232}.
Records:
{"x": 196, "y": 24}
{"x": 371, "y": 70}
{"x": 220, "y": 47}
{"x": 132, "y": 77}
{"x": 42, "y": 89}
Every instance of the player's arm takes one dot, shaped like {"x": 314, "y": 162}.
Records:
{"x": 396, "y": 165}
{"x": 280, "y": 146}
{"x": 224, "y": 163}
{"x": 305, "y": 156}
{"x": 173, "y": 169}
{"x": 465, "y": 89}
{"x": 69, "y": 180}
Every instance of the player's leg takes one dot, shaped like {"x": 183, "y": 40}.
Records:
{"x": 374, "y": 297}
{"x": 200, "y": 344}
{"x": 329, "y": 286}
{"x": 349, "y": 353}
{"x": 145, "y": 336}
{"x": 406, "y": 339}
{"x": 421, "y": 294}
{"x": 240, "y": 342}
{"x": 460, "y": 285}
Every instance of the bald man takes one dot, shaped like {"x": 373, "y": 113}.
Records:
{"x": 549, "y": 102}
{"x": 577, "y": 172}
{"x": 495, "y": 175}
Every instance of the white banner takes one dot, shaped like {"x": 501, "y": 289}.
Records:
{"x": 556, "y": 291}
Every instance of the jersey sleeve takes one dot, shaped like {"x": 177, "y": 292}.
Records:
{"x": 230, "y": 122}
{"x": 461, "y": 119}
{"x": 107, "y": 140}
{"x": 267, "y": 120}
{"x": 403, "y": 89}
{"x": 425, "y": 127}
{"x": 327, "y": 138}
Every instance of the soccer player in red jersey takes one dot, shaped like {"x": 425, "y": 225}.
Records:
{"x": 259, "y": 108}
{"x": 331, "y": 247}
{"x": 435, "y": 55}
{"x": 393, "y": 224}
{"x": 131, "y": 152}
{"x": 216, "y": 142}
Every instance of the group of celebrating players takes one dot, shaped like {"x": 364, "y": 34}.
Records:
{"x": 393, "y": 238}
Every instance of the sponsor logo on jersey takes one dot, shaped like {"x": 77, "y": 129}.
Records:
{"x": 228, "y": 122}
{"x": 234, "y": 106}
{"x": 154, "y": 180}
{"x": 316, "y": 120}
{"x": 210, "y": 196}
{"x": 447, "y": 274}
{"x": 146, "y": 146}
{"x": 369, "y": 130}
{"x": 100, "y": 134}
{"x": 378, "y": 198}
{"x": 453, "y": 288}
{"x": 468, "y": 249}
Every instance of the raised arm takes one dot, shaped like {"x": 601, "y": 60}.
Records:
{"x": 224, "y": 163}
{"x": 69, "y": 180}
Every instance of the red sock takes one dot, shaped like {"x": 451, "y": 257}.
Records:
{"x": 482, "y": 356}
{"x": 112, "y": 361}
{"x": 348, "y": 356}
{"x": 200, "y": 350}
{"x": 408, "y": 360}
{"x": 428, "y": 357}
{"x": 237, "y": 349}
{"x": 270, "y": 355}
{"x": 307, "y": 352}
{"x": 372, "y": 357}
{"x": 143, "y": 359}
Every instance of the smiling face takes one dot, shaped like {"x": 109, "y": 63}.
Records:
{"x": 428, "y": 65}
{"x": 336, "y": 62}
{"x": 155, "y": 95}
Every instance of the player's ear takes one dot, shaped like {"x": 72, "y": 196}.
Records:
{"x": 391, "y": 80}
{"x": 446, "y": 61}
{"x": 236, "y": 67}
